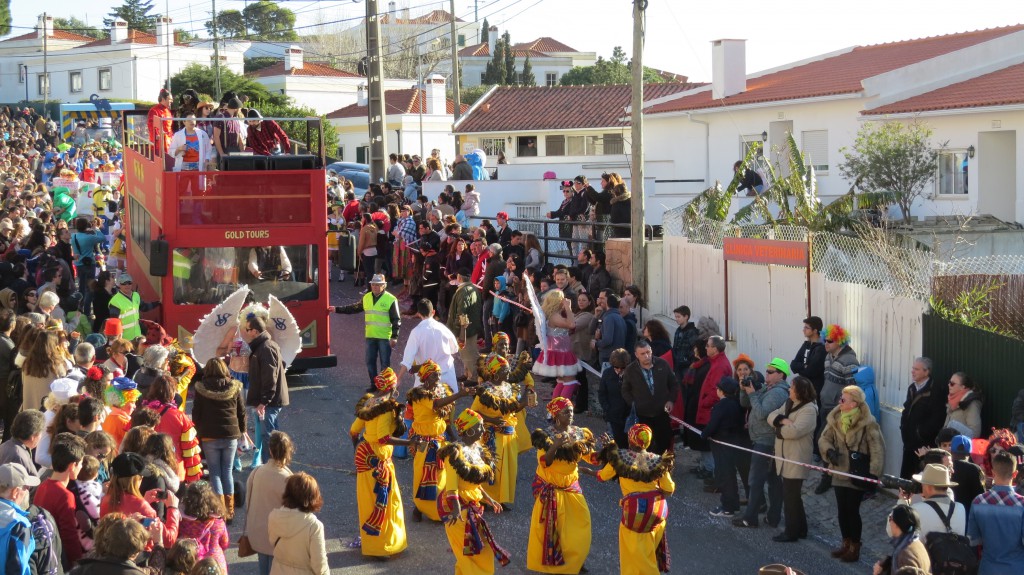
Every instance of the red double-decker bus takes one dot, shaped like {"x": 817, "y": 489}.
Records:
{"x": 194, "y": 237}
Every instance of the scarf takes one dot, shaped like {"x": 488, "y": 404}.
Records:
{"x": 477, "y": 532}
{"x": 545, "y": 494}
{"x": 848, "y": 418}
{"x": 955, "y": 398}
{"x": 428, "y": 480}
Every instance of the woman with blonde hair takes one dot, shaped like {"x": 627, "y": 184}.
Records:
{"x": 44, "y": 364}
{"x": 556, "y": 358}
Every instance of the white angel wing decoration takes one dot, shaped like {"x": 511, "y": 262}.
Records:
{"x": 539, "y": 320}
{"x": 214, "y": 327}
{"x": 284, "y": 330}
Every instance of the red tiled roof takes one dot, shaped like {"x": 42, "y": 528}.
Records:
{"x": 134, "y": 37}
{"x": 999, "y": 88}
{"x": 397, "y": 102}
{"x": 558, "y": 108}
{"x": 841, "y": 74}
{"x": 539, "y": 48}
{"x": 57, "y": 35}
{"x": 307, "y": 69}
{"x": 432, "y": 17}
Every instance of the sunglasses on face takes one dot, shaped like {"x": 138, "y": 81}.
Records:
{"x": 771, "y": 371}
{"x": 30, "y": 294}
{"x": 829, "y": 341}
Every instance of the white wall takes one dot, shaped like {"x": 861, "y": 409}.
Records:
{"x": 322, "y": 93}
{"x": 767, "y": 303}
{"x": 402, "y": 136}
{"x": 473, "y": 66}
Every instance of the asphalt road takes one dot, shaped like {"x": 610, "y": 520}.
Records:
{"x": 319, "y": 417}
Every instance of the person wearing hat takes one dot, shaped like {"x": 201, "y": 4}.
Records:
{"x": 762, "y": 402}
{"x": 123, "y": 496}
{"x": 120, "y": 396}
{"x": 726, "y": 424}
{"x": 850, "y": 428}
{"x": 33, "y": 551}
{"x": 126, "y": 305}
{"x": 62, "y": 391}
{"x": 265, "y": 137}
{"x": 383, "y": 320}
{"x": 909, "y": 553}
{"x": 968, "y": 476}
{"x": 935, "y": 480}
{"x": 840, "y": 365}
{"x": 378, "y": 497}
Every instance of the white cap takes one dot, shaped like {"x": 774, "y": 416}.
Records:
{"x": 64, "y": 388}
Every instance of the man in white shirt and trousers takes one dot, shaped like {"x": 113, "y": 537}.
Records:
{"x": 429, "y": 340}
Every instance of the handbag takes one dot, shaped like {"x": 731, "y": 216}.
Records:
{"x": 860, "y": 464}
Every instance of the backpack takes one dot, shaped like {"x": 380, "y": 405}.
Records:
{"x": 43, "y": 535}
{"x": 24, "y": 553}
{"x": 950, "y": 554}
{"x": 14, "y": 387}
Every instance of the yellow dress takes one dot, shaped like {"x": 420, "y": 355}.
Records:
{"x": 522, "y": 432}
{"x": 571, "y": 528}
{"x": 470, "y": 493}
{"x": 501, "y": 440}
{"x": 637, "y": 551}
{"x": 430, "y": 425}
{"x": 381, "y": 523}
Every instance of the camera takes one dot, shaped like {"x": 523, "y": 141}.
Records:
{"x": 749, "y": 381}
{"x": 907, "y": 485}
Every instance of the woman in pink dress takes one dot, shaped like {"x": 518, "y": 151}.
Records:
{"x": 556, "y": 357}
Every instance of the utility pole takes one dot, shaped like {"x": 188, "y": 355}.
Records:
{"x": 216, "y": 54}
{"x": 637, "y": 133}
{"x": 46, "y": 69}
{"x": 169, "y": 30}
{"x": 455, "y": 74}
{"x": 376, "y": 112}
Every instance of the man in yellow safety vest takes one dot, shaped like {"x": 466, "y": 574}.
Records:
{"x": 382, "y": 323}
{"x": 126, "y": 305}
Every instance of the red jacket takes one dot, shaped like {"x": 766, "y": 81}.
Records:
{"x": 131, "y": 504}
{"x": 720, "y": 367}
{"x": 55, "y": 498}
{"x": 179, "y": 427}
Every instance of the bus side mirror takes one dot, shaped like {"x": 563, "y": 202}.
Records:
{"x": 159, "y": 256}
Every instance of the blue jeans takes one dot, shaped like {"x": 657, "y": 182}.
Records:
{"x": 265, "y": 428}
{"x": 220, "y": 457}
{"x": 265, "y": 561}
{"x": 377, "y": 349}
{"x": 762, "y": 473}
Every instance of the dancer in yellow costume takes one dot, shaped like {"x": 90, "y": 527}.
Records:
{"x": 560, "y": 524}
{"x": 519, "y": 373}
{"x": 381, "y": 519}
{"x": 469, "y": 465}
{"x": 645, "y": 480}
{"x": 496, "y": 401}
{"x": 431, "y": 405}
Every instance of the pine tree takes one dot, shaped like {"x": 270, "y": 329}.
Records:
{"x": 135, "y": 13}
{"x": 528, "y": 78}
{"x": 495, "y": 73}
{"x": 5, "y": 17}
{"x": 485, "y": 32}
{"x": 510, "y": 60}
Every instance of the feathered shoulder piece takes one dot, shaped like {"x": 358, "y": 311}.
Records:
{"x": 502, "y": 398}
{"x": 370, "y": 407}
{"x": 581, "y": 442}
{"x": 642, "y": 466}
{"x": 441, "y": 390}
{"x": 472, "y": 463}
{"x": 522, "y": 367}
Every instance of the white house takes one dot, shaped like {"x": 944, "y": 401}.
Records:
{"x": 414, "y": 115}
{"x": 316, "y": 85}
{"x": 549, "y": 59}
{"x": 129, "y": 65}
{"x": 965, "y": 86}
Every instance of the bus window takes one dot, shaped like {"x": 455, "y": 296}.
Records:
{"x": 209, "y": 275}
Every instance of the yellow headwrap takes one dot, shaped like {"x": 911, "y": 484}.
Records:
{"x": 386, "y": 380}
{"x": 467, "y": 419}
{"x": 640, "y": 435}
{"x": 428, "y": 368}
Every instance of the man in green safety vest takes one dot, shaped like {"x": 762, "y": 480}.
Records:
{"x": 382, "y": 323}
{"x": 181, "y": 271}
{"x": 126, "y": 305}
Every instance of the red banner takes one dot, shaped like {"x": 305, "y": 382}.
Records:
{"x": 773, "y": 252}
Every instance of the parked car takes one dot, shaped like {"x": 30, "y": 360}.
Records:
{"x": 340, "y": 167}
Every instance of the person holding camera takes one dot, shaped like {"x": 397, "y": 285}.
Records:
{"x": 851, "y": 434}
{"x": 761, "y": 400}
{"x": 936, "y": 505}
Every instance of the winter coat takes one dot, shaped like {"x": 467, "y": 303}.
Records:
{"x": 635, "y": 391}
{"x": 299, "y": 547}
{"x": 761, "y": 403}
{"x": 915, "y": 556}
{"x": 620, "y": 213}
{"x": 180, "y": 428}
{"x": 864, "y": 435}
{"x": 810, "y": 363}
{"x": 839, "y": 372}
{"x": 609, "y": 394}
{"x": 923, "y": 414}
{"x": 967, "y": 414}
{"x": 267, "y": 384}
{"x": 794, "y": 442}
{"x": 218, "y": 409}
{"x": 682, "y": 347}
{"x": 264, "y": 488}
{"x": 719, "y": 368}
{"x": 726, "y": 423}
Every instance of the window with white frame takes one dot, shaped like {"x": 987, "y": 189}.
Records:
{"x": 22, "y": 73}
{"x": 43, "y": 81}
{"x": 749, "y": 140}
{"x": 75, "y": 80}
{"x": 492, "y": 146}
{"x": 551, "y": 79}
{"x": 554, "y": 145}
{"x": 951, "y": 179}
{"x": 614, "y": 145}
{"x": 106, "y": 79}
{"x": 814, "y": 146}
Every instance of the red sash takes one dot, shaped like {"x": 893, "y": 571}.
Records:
{"x": 545, "y": 492}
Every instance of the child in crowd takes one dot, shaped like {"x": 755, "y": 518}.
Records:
{"x": 203, "y": 520}
{"x": 100, "y": 445}
{"x": 88, "y": 492}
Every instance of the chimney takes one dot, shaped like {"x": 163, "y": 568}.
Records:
{"x": 405, "y": 14}
{"x": 492, "y": 37}
{"x": 361, "y": 95}
{"x": 435, "y": 95}
{"x": 44, "y": 28}
{"x": 118, "y": 31}
{"x": 164, "y": 32}
{"x": 728, "y": 68}
{"x": 391, "y": 12}
{"x": 292, "y": 58}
